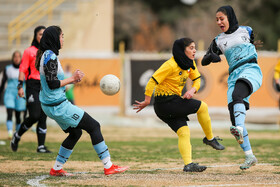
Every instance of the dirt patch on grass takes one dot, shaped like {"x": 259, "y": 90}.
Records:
{"x": 152, "y": 174}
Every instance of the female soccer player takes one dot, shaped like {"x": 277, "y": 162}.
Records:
{"x": 70, "y": 118}
{"x": 172, "y": 108}
{"x": 11, "y": 101}
{"x": 245, "y": 76}
{"x": 28, "y": 72}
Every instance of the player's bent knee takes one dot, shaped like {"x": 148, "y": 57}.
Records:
{"x": 203, "y": 107}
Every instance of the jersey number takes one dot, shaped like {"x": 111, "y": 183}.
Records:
{"x": 75, "y": 116}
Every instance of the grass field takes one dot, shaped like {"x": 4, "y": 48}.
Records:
{"x": 151, "y": 154}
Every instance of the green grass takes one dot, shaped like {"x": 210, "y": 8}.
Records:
{"x": 142, "y": 150}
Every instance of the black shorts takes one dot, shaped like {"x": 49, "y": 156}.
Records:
{"x": 175, "y": 110}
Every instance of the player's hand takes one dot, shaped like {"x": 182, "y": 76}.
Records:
{"x": 78, "y": 76}
{"x": 189, "y": 94}
{"x": 21, "y": 92}
{"x": 140, "y": 105}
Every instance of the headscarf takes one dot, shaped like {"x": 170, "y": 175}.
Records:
{"x": 179, "y": 55}
{"x": 50, "y": 39}
{"x": 233, "y": 23}
{"x": 34, "y": 41}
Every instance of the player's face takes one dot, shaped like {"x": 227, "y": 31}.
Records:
{"x": 39, "y": 35}
{"x": 17, "y": 58}
{"x": 190, "y": 51}
{"x": 61, "y": 39}
{"x": 222, "y": 21}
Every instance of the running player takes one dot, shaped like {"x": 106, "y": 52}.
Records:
{"x": 11, "y": 100}
{"x": 28, "y": 71}
{"x": 245, "y": 76}
{"x": 172, "y": 108}
{"x": 70, "y": 118}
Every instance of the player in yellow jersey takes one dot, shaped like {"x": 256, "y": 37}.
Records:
{"x": 172, "y": 108}
{"x": 277, "y": 77}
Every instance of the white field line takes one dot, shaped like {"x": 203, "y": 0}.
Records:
{"x": 36, "y": 181}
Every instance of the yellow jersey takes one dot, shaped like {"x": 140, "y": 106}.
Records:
{"x": 277, "y": 71}
{"x": 170, "y": 79}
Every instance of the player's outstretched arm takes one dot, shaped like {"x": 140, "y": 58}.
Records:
{"x": 140, "y": 105}
{"x": 75, "y": 78}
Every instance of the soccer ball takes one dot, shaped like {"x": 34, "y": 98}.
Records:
{"x": 110, "y": 84}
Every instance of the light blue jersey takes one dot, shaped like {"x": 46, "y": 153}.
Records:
{"x": 54, "y": 102}
{"x": 11, "y": 99}
{"x": 240, "y": 52}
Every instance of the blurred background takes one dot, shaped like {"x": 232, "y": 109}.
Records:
{"x": 131, "y": 39}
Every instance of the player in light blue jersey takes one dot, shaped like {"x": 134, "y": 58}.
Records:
{"x": 11, "y": 100}
{"x": 70, "y": 118}
{"x": 245, "y": 76}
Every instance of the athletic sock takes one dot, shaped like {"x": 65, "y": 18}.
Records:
{"x": 63, "y": 155}
{"x": 23, "y": 128}
{"x": 107, "y": 162}
{"x": 205, "y": 121}
{"x": 101, "y": 150}
{"x": 58, "y": 165}
{"x": 239, "y": 116}
{"x": 9, "y": 125}
{"x": 41, "y": 135}
{"x": 184, "y": 144}
{"x": 17, "y": 127}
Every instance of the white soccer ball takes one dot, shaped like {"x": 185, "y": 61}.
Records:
{"x": 110, "y": 84}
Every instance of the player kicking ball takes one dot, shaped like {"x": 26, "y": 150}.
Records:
{"x": 172, "y": 108}
{"x": 70, "y": 118}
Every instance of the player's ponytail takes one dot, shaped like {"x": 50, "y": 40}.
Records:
{"x": 38, "y": 59}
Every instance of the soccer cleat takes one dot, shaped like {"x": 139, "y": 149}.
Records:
{"x": 14, "y": 142}
{"x": 194, "y": 167}
{"x": 43, "y": 149}
{"x": 114, "y": 169}
{"x": 250, "y": 160}
{"x": 238, "y": 135}
{"x": 214, "y": 143}
{"x": 60, "y": 172}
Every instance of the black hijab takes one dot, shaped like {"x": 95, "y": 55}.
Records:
{"x": 179, "y": 55}
{"x": 229, "y": 12}
{"x": 34, "y": 41}
{"x": 50, "y": 39}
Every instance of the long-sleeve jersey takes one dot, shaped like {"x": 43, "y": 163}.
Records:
{"x": 237, "y": 47}
{"x": 51, "y": 73}
{"x": 27, "y": 65}
{"x": 170, "y": 79}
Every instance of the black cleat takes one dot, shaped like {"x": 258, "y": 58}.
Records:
{"x": 214, "y": 143}
{"x": 194, "y": 167}
{"x": 43, "y": 149}
{"x": 14, "y": 142}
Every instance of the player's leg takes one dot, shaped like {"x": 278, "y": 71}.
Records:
{"x": 167, "y": 112}
{"x": 92, "y": 127}
{"x": 65, "y": 151}
{"x": 41, "y": 131}
{"x": 205, "y": 122}
{"x": 9, "y": 122}
{"x": 33, "y": 117}
{"x": 18, "y": 119}
{"x": 237, "y": 109}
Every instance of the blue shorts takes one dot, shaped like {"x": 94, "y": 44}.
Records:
{"x": 65, "y": 114}
{"x": 251, "y": 72}
{"x": 13, "y": 101}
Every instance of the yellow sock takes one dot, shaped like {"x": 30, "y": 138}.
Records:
{"x": 184, "y": 144}
{"x": 204, "y": 120}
